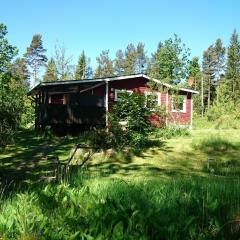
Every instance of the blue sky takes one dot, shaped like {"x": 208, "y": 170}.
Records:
{"x": 96, "y": 25}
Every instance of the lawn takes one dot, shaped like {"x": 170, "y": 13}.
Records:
{"x": 31, "y": 156}
{"x": 181, "y": 188}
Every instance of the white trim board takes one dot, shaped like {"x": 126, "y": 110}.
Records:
{"x": 111, "y": 79}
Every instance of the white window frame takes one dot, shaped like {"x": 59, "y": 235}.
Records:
{"x": 155, "y": 93}
{"x": 120, "y": 90}
{"x": 184, "y": 110}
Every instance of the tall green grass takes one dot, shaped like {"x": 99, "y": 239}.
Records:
{"x": 103, "y": 208}
{"x": 222, "y": 155}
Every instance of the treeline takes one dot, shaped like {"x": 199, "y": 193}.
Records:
{"x": 217, "y": 77}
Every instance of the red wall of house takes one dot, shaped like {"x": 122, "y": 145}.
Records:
{"x": 140, "y": 85}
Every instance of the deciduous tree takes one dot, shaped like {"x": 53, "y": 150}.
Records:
{"x": 170, "y": 62}
{"x": 63, "y": 63}
{"x": 12, "y": 91}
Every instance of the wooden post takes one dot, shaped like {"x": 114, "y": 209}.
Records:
{"x": 166, "y": 107}
{"x": 106, "y": 103}
{"x": 191, "y": 111}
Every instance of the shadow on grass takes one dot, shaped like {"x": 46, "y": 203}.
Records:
{"x": 28, "y": 157}
{"x": 223, "y": 155}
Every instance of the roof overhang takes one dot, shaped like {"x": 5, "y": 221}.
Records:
{"x": 102, "y": 80}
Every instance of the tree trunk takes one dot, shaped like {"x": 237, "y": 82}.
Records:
{"x": 209, "y": 91}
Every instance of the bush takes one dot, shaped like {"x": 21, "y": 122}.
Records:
{"x": 129, "y": 121}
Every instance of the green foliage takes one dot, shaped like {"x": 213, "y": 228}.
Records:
{"x": 195, "y": 72}
{"x": 51, "y": 71}
{"x": 129, "y": 120}
{"x": 83, "y": 70}
{"x": 129, "y": 124}
{"x": 172, "y": 131}
{"x": 63, "y": 63}
{"x": 233, "y": 67}
{"x": 119, "y": 63}
{"x": 12, "y": 91}
{"x": 7, "y": 51}
{"x": 214, "y": 143}
{"x": 132, "y": 109}
{"x": 20, "y": 72}
{"x": 105, "y": 65}
{"x": 214, "y": 146}
{"x": 35, "y": 55}
{"x": 115, "y": 209}
{"x": 170, "y": 62}
{"x": 213, "y": 66}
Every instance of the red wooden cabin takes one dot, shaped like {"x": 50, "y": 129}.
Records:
{"x": 85, "y": 102}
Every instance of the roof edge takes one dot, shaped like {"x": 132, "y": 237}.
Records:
{"x": 108, "y": 79}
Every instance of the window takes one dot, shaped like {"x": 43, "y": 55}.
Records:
{"x": 152, "y": 99}
{"x": 118, "y": 93}
{"x": 179, "y": 103}
{"x": 57, "y": 99}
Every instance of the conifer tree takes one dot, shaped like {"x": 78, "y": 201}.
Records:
{"x": 141, "y": 59}
{"x": 51, "y": 71}
{"x": 220, "y": 58}
{"x": 83, "y": 69}
{"x": 105, "y": 65}
{"x": 119, "y": 63}
{"x": 35, "y": 55}
{"x": 209, "y": 72}
{"x": 195, "y": 72}
{"x": 130, "y": 59}
{"x": 233, "y": 66}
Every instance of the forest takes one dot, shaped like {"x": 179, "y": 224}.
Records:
{"x": 132, "y": 182}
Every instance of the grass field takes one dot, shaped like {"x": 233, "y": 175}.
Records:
{"x": 30, "y": 156}
{"x": 181, "y": 188}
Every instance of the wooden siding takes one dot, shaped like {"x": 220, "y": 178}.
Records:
{"x": 70, "y": 114}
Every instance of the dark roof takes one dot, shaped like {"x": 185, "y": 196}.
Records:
{"x": 98, "y": 80}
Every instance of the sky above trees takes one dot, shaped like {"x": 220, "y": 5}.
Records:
{"x": 95, "y": 25}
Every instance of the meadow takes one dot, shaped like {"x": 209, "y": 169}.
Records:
{"x": 185, "y": 187}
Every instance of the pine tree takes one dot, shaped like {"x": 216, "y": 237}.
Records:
{"x": 83, "y": 70}
{"x": 51, "y": 71}
{"x": 195, "y": 72}
{"x": 105, "y": 65}
{"x": 141, "y": 59}
{"x": 130, "y": 59}
{"x": 220, "y": 58}
{"x": 35, "y": 55}
{"x": 233, "y": 66}
{"x": 119, "y": 63}
{"x": 209, "y": 72}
